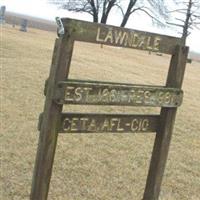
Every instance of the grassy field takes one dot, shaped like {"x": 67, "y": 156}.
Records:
{"x": 91, "y": 166}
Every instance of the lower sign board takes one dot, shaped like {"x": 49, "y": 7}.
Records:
{"x": 101, "y": 123}
{"x": 103, "y": 93}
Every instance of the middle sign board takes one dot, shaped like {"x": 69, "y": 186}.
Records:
{"x": 106, "y": 93}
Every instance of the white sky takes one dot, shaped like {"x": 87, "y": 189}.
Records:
{"x": 41, "y": 9}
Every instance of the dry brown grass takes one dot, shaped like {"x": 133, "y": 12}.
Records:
{"x": 93, "y": 166}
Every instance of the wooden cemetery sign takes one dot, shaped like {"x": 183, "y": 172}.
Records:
{"x": 60, "y": 90}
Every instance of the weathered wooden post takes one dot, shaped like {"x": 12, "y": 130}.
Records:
{"x": 164, "y": 132}
{"x": 51, "y": 115}
{"x": 60, "y": 90}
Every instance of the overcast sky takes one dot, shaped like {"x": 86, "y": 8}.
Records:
{"x": 41, "y": 9}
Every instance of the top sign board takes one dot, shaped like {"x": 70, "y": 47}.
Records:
{"x": 121, "y": 37}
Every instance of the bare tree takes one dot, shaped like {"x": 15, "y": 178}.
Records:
{"x": 100, "y": 9}
{"x": 92, "y": 7}
{"x": 155, "y": 9}
{"x": 188, "y": 17}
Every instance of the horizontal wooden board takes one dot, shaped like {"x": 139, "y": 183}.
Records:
{"x": 104, "y": 93}
{"x": 106, "y": 123}
{"x": 121, "y": 37}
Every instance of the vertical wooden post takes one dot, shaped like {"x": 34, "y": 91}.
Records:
{"x": 164, "y": 133}
{"x": 48, "y": 134}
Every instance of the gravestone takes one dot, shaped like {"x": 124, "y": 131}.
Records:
{"x": 24, "y": 24}
{"x": 2, "y": 14}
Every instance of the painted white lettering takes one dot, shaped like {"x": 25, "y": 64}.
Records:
{"x": 145, "y": 125}
{"x": 142, "y": 42}
{"x": 113, "y": 95}
{"x": 86, "y": 92}
{"x": 66, "y": 124}
{"x": 109, "y": 37}
{"x": 83, "y": 123}
{"x": 105, "y": 95}
{"x": 149, "y": 47}
{"x": 134, "y": 125}
{"x": 131, "y": 96}
{"x": 156, "y": 45}
{"x": 68, "y": 93}
{"x": 119, "y": 128}
{"x": 105, "y": 126}
{"x": 92, "y": 125}
{"x": 124, "y": 39}
{"x": 112, "y": 123}
{"x": 98, "y": 39}
{"x": 78, "y": 94}
{"x": 74, "y": 126}
{"x": 135, "y": 40}
{"x": 118, "y": 35}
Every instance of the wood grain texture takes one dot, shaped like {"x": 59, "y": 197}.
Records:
{"x": 48, "y": 133}
{"x": 164, "y": 134}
